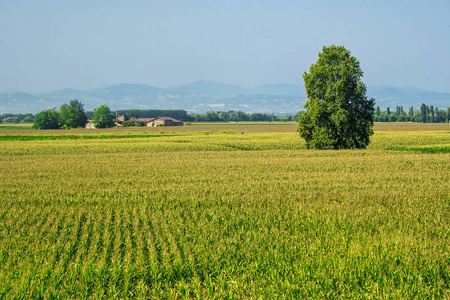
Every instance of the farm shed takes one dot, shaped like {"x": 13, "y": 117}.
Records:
{"x": 165, "y": 121}
{"x": 147, "y": 121}
{"x": 90, "y": 125}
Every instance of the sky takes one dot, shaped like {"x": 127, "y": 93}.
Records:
{"x": 50, "y": 45}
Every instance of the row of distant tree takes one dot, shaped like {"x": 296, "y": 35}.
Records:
{"x": 60, "y": 116}
{"x": 73, "y": 115}
{"x": 16, "y": 118}
{"x": 209, "y": 116}
{"x": 239, "y": 116}
{"x": 178, "y": 114}
{"x": 426, "y": 114}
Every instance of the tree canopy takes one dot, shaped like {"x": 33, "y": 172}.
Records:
{"x": 103, "y": 117}
{"x": 72, "y": 115}
{"x": 46, "y": 119}
{"x": 337, "y": 114}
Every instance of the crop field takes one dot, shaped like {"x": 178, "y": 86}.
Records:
{"x": 224, "y": 212}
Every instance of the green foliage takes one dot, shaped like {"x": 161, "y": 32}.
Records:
{"x": 178, "y": 114}
{"x": 338, "y": 114}
{"x": 28, "y": 119}
{"x": 16, "y": 118}
{"x": 46, "y": 119}
{"x": 73, "y": 115}
{"x": 224, "y": 116}
{"x": 103, "y": 117}
{"x": 128, "y": 123}
{"x": 211, "y": 116}
{"x": 423, "y": 113}
{"x": 427, "y": 149}
{"x": 411, "y": 112}
{"x": 132, "y": 123}
{"x": 392, "y": 118}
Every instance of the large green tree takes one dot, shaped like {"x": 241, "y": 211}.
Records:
{"x": 46, "y": 119}
{"x": 72, "y": 115}
{"x": 337, "y": 114}
{"x": 103, "y": 117}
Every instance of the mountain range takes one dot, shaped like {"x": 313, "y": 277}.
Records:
{"x": 201, "y": 96}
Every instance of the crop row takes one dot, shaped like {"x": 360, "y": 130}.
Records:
{"x": 225, "y": 141}
{"x": 227, "y": 224}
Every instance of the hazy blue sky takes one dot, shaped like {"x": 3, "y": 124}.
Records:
{"x": 49, "y": 45}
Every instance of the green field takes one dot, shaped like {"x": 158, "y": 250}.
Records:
{"x": 224, "y": 211}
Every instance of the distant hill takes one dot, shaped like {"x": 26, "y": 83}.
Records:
{"x": 201, "y": 96}
{"x": 202, "y": 87}
{"x": 20, "y": 103}
{"x": 387, "y": 96}
{"x": 127, "y": 89}
{"x": 281, "y": 89}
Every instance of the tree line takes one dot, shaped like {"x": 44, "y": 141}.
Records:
{"x": 16, "y": 118}
{"x": 239, "y": 116}
{"x": 209, "y": 116}
{"x": 178, "y": 114}
{"x": 426, "y": 114}
{"x": 73, "y": 115}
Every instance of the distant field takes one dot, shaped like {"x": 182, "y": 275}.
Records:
{"x": 8, "y": 126}
{"x": 398, "y": 126}
{"x": 225, "y": 211}
{"x": 214, "y": 127}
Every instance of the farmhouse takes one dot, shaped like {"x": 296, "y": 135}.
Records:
{"x": 119, "y": 120}
{"x": 164, "y": 121}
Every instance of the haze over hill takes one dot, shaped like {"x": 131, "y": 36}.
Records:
{"x": 201, "y": 96}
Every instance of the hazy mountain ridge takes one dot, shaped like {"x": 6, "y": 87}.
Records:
{"x": 387, "y": 96}
{"x": 202, "y": 95}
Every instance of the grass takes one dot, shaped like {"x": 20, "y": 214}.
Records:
{"x": 427, "y": 149}
{"x": 102, "y": 136}
{"x": 225, "y": 215}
